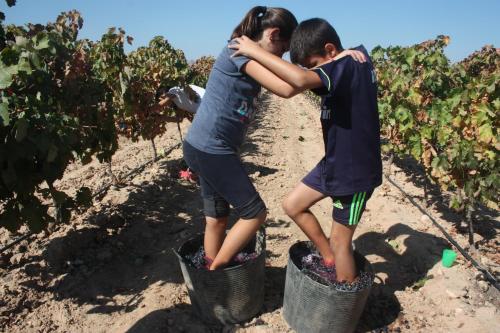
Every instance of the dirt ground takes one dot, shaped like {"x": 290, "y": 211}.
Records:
{"x": 112, "y": 268}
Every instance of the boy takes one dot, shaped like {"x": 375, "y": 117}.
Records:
{"x": 352, "y": 166}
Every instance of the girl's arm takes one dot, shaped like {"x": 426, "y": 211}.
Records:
{"x": 274, "y": 83}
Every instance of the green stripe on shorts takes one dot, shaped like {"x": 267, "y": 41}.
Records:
{"x": 351, "y": 212}
{"x": 356, "y": 206}
{"x": 358, "y": 212}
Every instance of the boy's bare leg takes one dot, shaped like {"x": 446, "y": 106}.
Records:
{"x": 215, "y": 232}
{"x": 296, "y": 205}
{"x": 341, "y": 243}
{"x": 239, "y": 236}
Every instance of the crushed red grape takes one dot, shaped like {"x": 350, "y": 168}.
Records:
{"x": 314, "y": 267}
{"x": 198, "y": 259}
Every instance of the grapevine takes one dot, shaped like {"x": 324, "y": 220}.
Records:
{"x": 444, "y": 115}
{"x": 200, "y": 70}
{"x": 51, "y": 113}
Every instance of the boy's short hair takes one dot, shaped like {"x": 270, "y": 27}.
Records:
{"x": 310, "y": 38}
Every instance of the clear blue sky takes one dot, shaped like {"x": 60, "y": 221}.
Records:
{"x": 202, "y": 27}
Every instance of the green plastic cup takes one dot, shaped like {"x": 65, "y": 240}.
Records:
{"x": 449, "y": 257}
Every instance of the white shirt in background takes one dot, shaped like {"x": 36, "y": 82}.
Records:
{"x": 182, "y": 100}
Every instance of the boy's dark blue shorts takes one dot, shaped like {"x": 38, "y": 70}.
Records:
{"x": 347, "y": 209}
{"x": 224, "y": 181}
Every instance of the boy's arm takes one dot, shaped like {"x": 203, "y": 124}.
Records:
{"x": 290, "y": 73}
{"x": 271, "y": 81}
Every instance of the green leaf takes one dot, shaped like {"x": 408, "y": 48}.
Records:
{"x": 414, "y": 96}
{"x": 455, "y": 100}
{"x": 426, "y": 132}
{"x": 35, "y": 60}
{"x": 410, "y": 56}
{"x": 496, "y": 104}
{"x": 485, "y": 133}
{"x": 42, "y": 43}
{"x": 402, "y": 113}
{"x": 440, "y": 162}
{"x": 6, "y": 74}
{"x": 21, "y": 129}
{"x": 490, "y": 154}
{"x": 4, "y": 114}
{"x": 455, "y": 203}
{"x": 416, "y": 146}
{"x": 485, "y": 109}
{"x": 491, "y": 88}
{"x": 24, "y": 66}
{"x": 21, "y": 41}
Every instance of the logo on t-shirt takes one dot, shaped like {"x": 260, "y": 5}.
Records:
{"x": 246, "y": 112}
{"x": 326, "y": 113}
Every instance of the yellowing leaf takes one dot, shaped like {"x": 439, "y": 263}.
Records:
{"x": 485, "y": 133}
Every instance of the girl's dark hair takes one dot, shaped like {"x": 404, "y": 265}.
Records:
{"x": 260, "y": 18}
{"x": 310, "y": 38}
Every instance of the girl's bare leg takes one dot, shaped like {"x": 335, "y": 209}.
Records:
{"x": 215, "y": 232}
{"x": 237, "y": 238}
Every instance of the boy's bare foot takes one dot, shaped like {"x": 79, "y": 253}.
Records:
{"x": 208, "y": 262}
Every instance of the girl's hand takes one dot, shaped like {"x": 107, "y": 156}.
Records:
{"x": 244, "y": 46}
{"x": 357, "y": 55}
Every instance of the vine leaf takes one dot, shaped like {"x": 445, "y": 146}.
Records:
{"x": 4, "y": 114}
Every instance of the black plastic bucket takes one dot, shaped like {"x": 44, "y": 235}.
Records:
{"x": 310, "y": 306}
{"x": 225, "y": 296}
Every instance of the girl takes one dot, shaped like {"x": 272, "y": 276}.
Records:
{"x": 219, "y": 128}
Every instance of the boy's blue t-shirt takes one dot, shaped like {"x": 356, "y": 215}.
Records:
{"x": 350, "y": 124}
{"x": 222, "y": 119}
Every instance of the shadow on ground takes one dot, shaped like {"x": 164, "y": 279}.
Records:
{"x": 406, "y": 257}
{"x": 174, "y": 319}
{"x": 180, "y": 318}
{"x": 123, "y": 248}
{"x": 486, "y": 223}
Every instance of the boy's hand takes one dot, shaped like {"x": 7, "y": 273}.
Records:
{"x": 244, "y": 46}
{"x": 356, "y": 55}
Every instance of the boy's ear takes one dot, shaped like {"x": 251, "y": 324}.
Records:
{"x": 331, "y": 50}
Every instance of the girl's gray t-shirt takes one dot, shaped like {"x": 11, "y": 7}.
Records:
{"x": 227, "y": 108}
